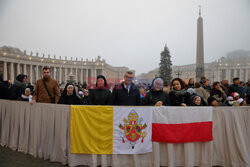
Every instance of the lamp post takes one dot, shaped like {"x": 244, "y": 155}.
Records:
{"x": 178, "y": 73}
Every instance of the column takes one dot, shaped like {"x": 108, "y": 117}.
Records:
{"x": 246, "y": 75}
{"x": 55, "y": 73}
{"x": 60, "y": 75}
{"x": 240, "y": 76}
{"x": 235, "y": 73}
{"x": 5, "y": 71}
{"x": 76, "y": 76}
{"x": 25, "y": 69}
{"x": 94, "y": 73}
{"x": 11, "y": 72}
{"x": 229, "y": 75}
{"x": 87, "y": 75}
{"x": 18, "y": 68}
{"x": 218, "y": 75}
{"x": 37, "y": 68}
{"x": 66, "y": 71}
{"x": 31, "y": 74}
{"x": 81, "y": 76}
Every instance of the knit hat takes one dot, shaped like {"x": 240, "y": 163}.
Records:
{"x": 20, "y": 77}
{"x": 210, "y": 100}
{"x": 235, "y": 94}
{"x": 229, "y": 98}
{"x": 240, "y": 100}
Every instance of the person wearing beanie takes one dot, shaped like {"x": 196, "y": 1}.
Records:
{"x": 100, "y": 95}
{"x": 156, "y": 96}
{"x": 196, "y": 100}
{"x": 229, "y": 101}
{"x": 69, "y": 96}
{"x": 212, "y": 101}
{"x": 235, "y": 96}
{"x": 240, "y": 102}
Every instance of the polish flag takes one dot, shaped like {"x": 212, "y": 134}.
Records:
{"x": 182, "y": 124}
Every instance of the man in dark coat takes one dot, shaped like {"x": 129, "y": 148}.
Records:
{"x": 126, "y": 93}
{"x": 235, "y": 87}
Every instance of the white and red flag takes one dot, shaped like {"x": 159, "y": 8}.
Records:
{"x": 182, "y": 124}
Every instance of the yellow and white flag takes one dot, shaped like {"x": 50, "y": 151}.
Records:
{"x": 111, "y": 130}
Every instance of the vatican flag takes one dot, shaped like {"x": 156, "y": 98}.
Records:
{"x": 111, "y": 130}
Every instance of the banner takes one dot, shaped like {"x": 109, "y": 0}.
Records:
{"x": 182, "y": 124}
{"x": 111, "y": 130}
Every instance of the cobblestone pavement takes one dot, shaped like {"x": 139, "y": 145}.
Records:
{"x": 10, "y": 158}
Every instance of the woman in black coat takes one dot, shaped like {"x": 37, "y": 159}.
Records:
{"x": 69, "y": 96}
{"x": 100, "y": 95}
{"x": 156, "y": 96}
{"x": 178, "y": 95}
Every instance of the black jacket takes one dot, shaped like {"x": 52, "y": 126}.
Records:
{"x": 100, "y": 97}
{"x": 178, "y": 97}
{"x": 234, "y": 88}
{"x": 154, "y": 96}
{"x": 17, "y": 90}
{"x": 69, "y": 99}
{"x": 4, "y": 90}
{"x": 120, "y": 95}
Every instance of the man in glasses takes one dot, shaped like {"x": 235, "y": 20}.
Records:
{"x": 126, "y": 93}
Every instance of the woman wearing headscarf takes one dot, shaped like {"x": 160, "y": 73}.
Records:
{"x": 156, "y": 96}
{"x": 178, "y": 95}
{"x": 69, "y": 96}
{"x": 100, "y": 95}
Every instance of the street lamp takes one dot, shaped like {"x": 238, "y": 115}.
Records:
{"x": 178, "y": 73}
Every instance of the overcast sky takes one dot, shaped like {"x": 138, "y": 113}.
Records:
{"x": 128, "y": 33}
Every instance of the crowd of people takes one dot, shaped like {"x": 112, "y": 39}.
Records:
{"x": 158, "y": 93}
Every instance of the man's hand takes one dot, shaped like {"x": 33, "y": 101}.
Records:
{"x": 183, "y": 104}
{"x": 158, "y": 103}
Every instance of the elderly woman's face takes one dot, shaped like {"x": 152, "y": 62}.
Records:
{"x": 158, "y": 85}
{"x": 197, "y": 101}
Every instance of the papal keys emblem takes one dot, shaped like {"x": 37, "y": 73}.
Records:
{"x": 133, "y": 129}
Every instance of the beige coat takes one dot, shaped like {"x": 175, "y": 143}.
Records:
{"x": 203, "y": 93}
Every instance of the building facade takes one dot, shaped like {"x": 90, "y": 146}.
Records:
{"x": 13, "y": 62}
{"x": 234, "y": 64}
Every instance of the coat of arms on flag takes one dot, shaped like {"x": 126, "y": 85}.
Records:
{"x": 133, "y": 129}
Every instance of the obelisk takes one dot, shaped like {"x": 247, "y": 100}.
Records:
{"x": 200, "y": 48}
